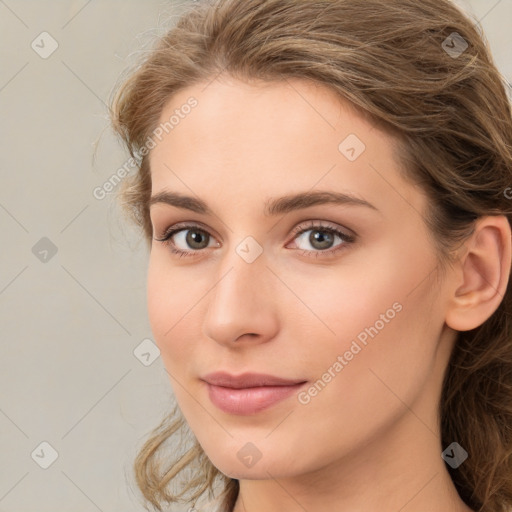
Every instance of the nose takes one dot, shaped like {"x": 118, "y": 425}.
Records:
{"x": 242, "y": 304}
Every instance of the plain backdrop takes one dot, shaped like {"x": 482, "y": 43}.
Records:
{"x": 81, "y": 384}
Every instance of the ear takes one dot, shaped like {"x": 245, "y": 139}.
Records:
{"x": 481, "y": 278}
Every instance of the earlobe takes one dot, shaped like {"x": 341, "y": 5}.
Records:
{"x": 482, "y": 276}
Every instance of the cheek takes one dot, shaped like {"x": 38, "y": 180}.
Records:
{"x": 170, "y": 299}
{"x": 384, "y": 345}
{"x": 158, "y": 301}
{"x": 351, "y": 300}
{"x": 375, "y": 314}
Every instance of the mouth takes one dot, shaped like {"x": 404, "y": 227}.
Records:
{"x": 248, "y": 393}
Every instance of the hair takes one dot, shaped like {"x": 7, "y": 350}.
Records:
{"x": 451, "y": 118}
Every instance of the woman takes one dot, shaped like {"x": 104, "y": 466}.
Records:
{"x": 323, "y": 188}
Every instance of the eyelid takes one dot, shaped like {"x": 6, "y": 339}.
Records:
{"x": 183, "y": 226}
{"x": 345, "y": 232}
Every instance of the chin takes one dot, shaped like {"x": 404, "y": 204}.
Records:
{"x": 266, "y": 467}
{"x": 248, "y": 474}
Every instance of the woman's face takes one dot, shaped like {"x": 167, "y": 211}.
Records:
{"x": 284, "y": 276}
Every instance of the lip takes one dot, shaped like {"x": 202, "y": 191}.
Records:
{"x": 248, "y": 393}
{"x": 247, "y": 380}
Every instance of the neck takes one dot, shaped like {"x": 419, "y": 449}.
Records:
{"x": 396, "y": 471}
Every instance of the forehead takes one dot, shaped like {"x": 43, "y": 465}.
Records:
{"x": 258, "y": 139}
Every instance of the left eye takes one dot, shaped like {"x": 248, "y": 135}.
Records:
{"x": 320, "y": 239}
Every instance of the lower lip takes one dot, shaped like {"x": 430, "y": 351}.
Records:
{"x": 249, "y": 400}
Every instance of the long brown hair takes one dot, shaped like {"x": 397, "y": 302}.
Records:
{"x": 420, "y": 69}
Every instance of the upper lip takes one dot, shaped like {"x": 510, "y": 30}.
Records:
{"x": 248, "y": 380}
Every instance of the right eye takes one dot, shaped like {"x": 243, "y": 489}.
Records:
{"x": 186, "y": 240}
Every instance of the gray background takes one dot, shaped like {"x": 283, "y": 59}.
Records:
{"x": 71, "y": 321}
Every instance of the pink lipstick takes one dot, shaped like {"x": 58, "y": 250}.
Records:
{"x": 248, "y": 393}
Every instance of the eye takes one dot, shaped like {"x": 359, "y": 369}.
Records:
{"x": 317, "y": 238}
{"x": 190, "y": 239}
{"x": 182, "y": 238}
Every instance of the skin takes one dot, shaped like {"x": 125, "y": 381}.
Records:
{"x": 369, "y": 440}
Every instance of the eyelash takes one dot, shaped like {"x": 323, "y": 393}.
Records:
{"x": 299, "y": 230}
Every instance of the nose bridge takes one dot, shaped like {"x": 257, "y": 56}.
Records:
{"x": 240, "y": 301}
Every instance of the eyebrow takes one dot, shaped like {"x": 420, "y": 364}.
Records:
{"x": 273, "y": 206}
